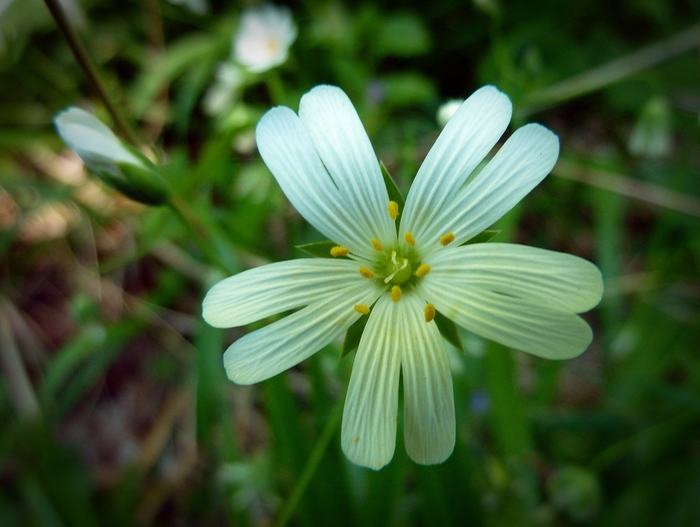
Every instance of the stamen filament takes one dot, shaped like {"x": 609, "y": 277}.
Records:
{"x": 410, "y": 240}
{"x": 377, "y": 244}
{"x": 362, "y": 309}
{"x": 339, "y": 250}
{"x": 393, "y": 209}
{"x": 447, "y": 239}
{"x": 366, "y": 273}
{"x": 395, "y": 293}
{"x": 429, "y": 312}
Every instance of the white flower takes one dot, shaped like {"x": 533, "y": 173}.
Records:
{"x": 199, "y": 7}
{"x": 447, "y": 110}
{"x": 224, "y": 91}
{"x": 264, "y": 37}
{"x": 522, "y": 297}
{"x": 651, "y": 136}
{"x": 103, "y": 153}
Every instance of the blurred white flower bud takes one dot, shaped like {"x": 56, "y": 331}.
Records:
{"x": 447, "y": 110}
{"x": 119, "y": 165}
{"x": 651, "y": 135}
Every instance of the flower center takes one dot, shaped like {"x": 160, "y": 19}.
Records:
{"x": 397, "y": 269}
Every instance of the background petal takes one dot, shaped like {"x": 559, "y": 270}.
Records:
{"x": 342, "y": 144}
{"x": 464, "y": 142}
{"x": 429, "y": 410}
{"x": 285, "y": 343}
{"x": 552, "y": 279}
{"x": 277, "y": 287}
{"x": 368, "y": 433}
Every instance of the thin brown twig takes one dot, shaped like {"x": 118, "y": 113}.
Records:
{"x": 90, "y": 70}
{"x": 626, "y": 186}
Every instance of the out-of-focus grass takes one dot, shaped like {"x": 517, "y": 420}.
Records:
{"x": 114, "y": 404}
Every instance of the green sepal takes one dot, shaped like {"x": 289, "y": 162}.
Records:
{"x": 391, "y": 188}
{"x": 352, "y": 336}
{"x": 319, "y": 249}
{"x": 482, "y": 237}
{"x": 143, "y": 184}
{"x": 449, "y": 330}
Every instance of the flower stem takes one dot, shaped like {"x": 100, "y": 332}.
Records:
{"x": 275, "y": 87}
{"x": 312, "y": 463}
{"x": 199, "y": 232}
{"x": 612, "y": 72}
{"x": 90, "y": 70}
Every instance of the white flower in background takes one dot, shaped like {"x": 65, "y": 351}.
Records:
{"x": 447, "y": 110}
{"x": 199, "y": 7}
{"x": 522, "y": 297}
{"x": 224, "y": 91}
{"x": 651, "y": 136}
{"x": 264, "y": 37}
{"x": 102, "y": 152}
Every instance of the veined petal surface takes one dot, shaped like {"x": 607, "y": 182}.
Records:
{"x": 291, "y": 156}
{"x": 429, "y": 410}
{"x": 285, "y": 343}
{"x": 344, "y": 147}
{"x": 270, "y": 289}
{"x": 551, "y": 279}
{"x": 91, "y": 139}
{"x": 519, "y": 166}
{"x": 521, "y": 324}
{"x": 464, "y": 142}
{"x": 368, "y": 434}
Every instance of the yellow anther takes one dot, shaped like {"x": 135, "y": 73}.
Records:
{"x": 429, "y": 312}
{"x": 367, "y": 273}
{"x": 410, "y": 240}
{"x": 396, "y": 293}
{"x": 393, "y": 209}
{"x": 377, "y": 244}
{"x": 362, "y": 309}
{"x": 356, "y": 439}
{"x": 422, "y": 270}
{"x": 339, "y": 250}
{"x": 447, "y": 239}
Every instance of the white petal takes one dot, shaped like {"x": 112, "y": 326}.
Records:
{"x": 275, "y": 288}
{"x": 555, "y": 280}
{"x": 285, "y": 343}
{"x": 429, "y": 411}
{"x": 288, "y": 152}
{"x": 343, "y": 145}
{"x": 521, "y": 324}
{"x": 368, "y": 435}
{"x": 465, "y": 141}
{"x": 90, "y": 138}
{"x": 524, "y": 160}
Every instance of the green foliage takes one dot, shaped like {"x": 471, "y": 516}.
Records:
{"x": 115, "y": 406}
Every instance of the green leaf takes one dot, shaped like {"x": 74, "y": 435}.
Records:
{"x": 482, "y": 237}
{"x": 319, "y": 249}
{"x": 448, "y": 329}
{"x": 352, "y": 336}
{"x": 402, "y": 35}
{"x": 407, "y": 89}
{"x": 391, "y": 188}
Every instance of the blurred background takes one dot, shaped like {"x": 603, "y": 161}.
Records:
{"x": 114, "y": 405}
